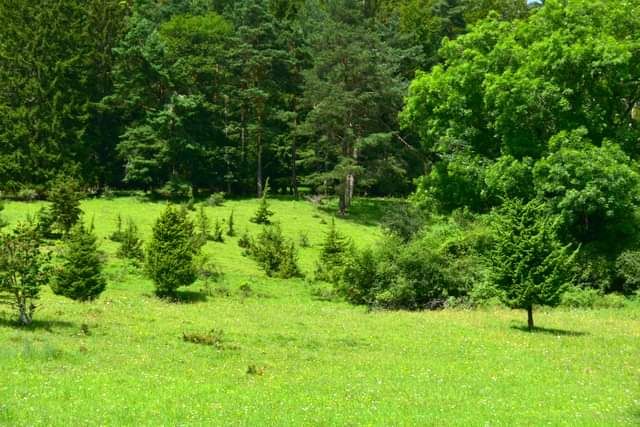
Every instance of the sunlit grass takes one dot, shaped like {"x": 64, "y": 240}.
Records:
{"x": 288, "y": 358}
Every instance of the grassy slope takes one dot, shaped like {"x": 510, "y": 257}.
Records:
{"x": 321, "y": 363}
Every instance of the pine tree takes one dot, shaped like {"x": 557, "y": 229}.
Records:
{"x": 117, "y": 235}
{"x": 332, "y": 254}
{"x": 79, "y": 273}
{"x": 23, "y": 270}
{"x": 203, "y": 226}
{"x": 263, "y": 214}
{"x": 170, "y": 253}
{"x": 230, "y": 224}
{"x": 130, "y": 243}
{"x": 65, "y": 196}
{"x": 530, "y": 264}
{"x": 217, "y": 235}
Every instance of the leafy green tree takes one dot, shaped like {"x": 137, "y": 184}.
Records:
{"x": 78, "y": 274}
{"x": 529, "y": 262}
{"x": 23, "y": 270}
{"x": 595, "y": 190}
{"x": 170, "y": 252}
{"x": 65, "y": 196}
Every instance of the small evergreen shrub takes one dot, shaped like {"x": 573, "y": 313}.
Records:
{"x": 304, "y": 240}
{"x": 276, "y": 255}
{"x": 202, "y": 226}
{"x": 44, "y": 223}
{"x": 217, "y": 235}
{"x": 334, "y": 250}
{"x": 23, "y": 270}
{"x": 216, "y": 199}
{"x": 117, "y": 235}
{"x": 78, "y": 273}
{"x": 65, "y": 196}
{"x": 130, "y": 243}
{"x": 176, "y": 189}
{"x": 230, "y": 225}
{"x": 214, "y": 337}
{"x": 170, "y": 253}
{"x": 263, "y": 214}
{"x": 245, "y": 241}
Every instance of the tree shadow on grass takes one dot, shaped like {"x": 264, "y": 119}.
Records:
{"x": 188, "y": 297}
{"x": 37, "y": 324}
{"x": 364, "y": 211}
{"x": 549, "y": 331}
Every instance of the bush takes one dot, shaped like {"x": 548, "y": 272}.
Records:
{"x": 443, "y": 261}
{"x": 65, "y": 196}
{"x": 334, "y": 250}
{"x": 23, "y": 270}
{"x": 130, "y": 243}
{"x": 263, "y": 214}
{"x": 217, "y": 235}
{"x": 576, "y": 297}
{"x": 202, "y": 226}
{"x": 276, "y": 255}
{"x": 245, "y": 241}
{"x": 230, "y": 225}
{"x": 170, "y": 253}
{"x": 628, "y": 272}
{"x": 216, "y": 199}
{"x": 176, "y": 189}
{"x": 78, "y": 274}
{"x": 404, "y": 220}
{"x": 117, "y": 235}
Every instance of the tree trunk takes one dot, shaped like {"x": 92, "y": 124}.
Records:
{"x": 530, "y": 317}
{"x": 259, "y": 167}
{"x": 343, "y": 203}
{"x": 294, "y": 177}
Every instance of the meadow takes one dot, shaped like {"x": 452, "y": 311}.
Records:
{"x": 289, "y": 352}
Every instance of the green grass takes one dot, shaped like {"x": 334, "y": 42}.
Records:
{"x": 122, "y": 359}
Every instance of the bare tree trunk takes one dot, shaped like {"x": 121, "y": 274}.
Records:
{"x": 530, "y": 317}
{"x": 259, "y": 167}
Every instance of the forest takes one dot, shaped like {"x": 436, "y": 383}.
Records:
{"x": 436, "y": 202}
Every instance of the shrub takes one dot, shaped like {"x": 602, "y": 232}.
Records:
{"x": 117, "y": 235}
{"x": 529, "y": 263}
{"x": 216, "y": 199}
{"x": 170, "y": 253}
{"x": 404, "y": 220}
{"x": 78, "y": 274}
{"x": 332, "y": 255}
{"x": 276, "y": 255}
{"x": 3, "y": 222}
{"x": 27, "y": 194}
{"x": 576, "y": 297}
{"x": 485, "y": 294}
{"x": 245, "y": 241}
{"x": 303, "y": 240}
{"x": 23, "y": 270}
{"x": 130, "y": 243}
{"x": 230, "y": 225}
{"x": 65, "y": 196}
{"x": 202, "y": 226}
{"x": 359, "y": 277}
{"x": 44, "y": 223}
{"x": 217, "y": 235}
{"x": 628, "y": 272}
{"x": 263, "y": 214}
{"x": 214, "y": 338}
{"x": 176, "y": 189}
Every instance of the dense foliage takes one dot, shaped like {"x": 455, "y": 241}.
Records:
{"x": 171, "y": 251}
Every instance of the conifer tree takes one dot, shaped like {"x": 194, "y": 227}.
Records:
{"x": 65, "y": 196}
{"x": 23, "y": 270}
{"x": 130, "y": 243}
{"x": 530, "y": 265}
{"x": 79, "y": 274}
{"x": 217, "y": 235}
{"x": 263, "y": 214}
{"x": 202, "y": 224}
{"x": 230, "y": 224}
{"x": 170, "y": 253}
{"x": 332, "y": 255}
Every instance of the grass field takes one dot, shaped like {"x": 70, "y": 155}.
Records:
{"x": 289, "y": 357}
